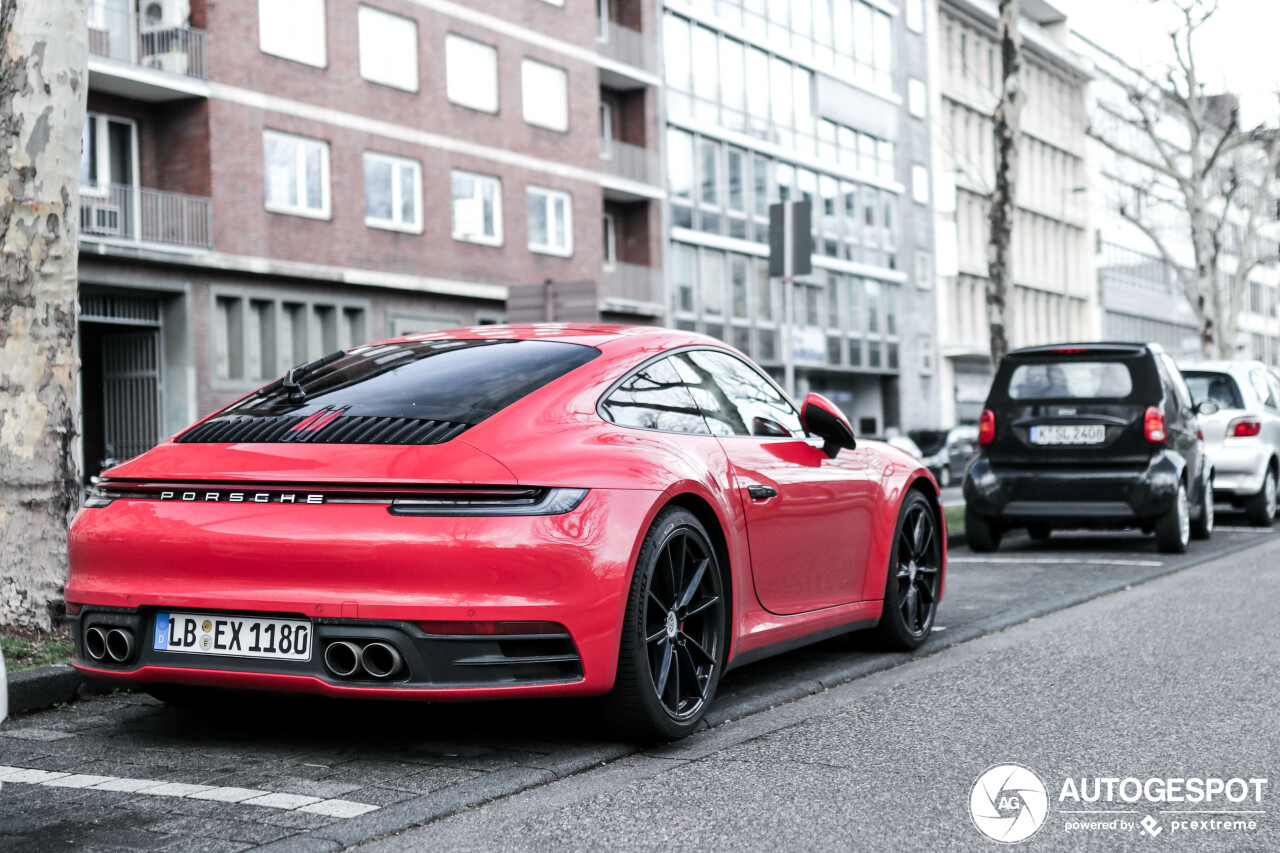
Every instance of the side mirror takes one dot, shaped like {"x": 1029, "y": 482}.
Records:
{"x": 822, "y": 418}
{"x": 1205, "y": 407}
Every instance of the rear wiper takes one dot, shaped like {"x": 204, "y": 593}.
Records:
{"x": 291, "y": 380}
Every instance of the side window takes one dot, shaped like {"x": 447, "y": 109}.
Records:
{"x": 1174, "y": 378}
{"x": 1275, "y": 388}
{"x": 1262, "y": 387}
{"x": 655, "y": 398}
{"x": 735, "y": 398}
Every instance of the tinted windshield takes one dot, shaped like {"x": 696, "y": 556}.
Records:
{"x": 1218, "y": 387}
{"x": 459, "y": 381}
{"x": 1071, "y": 380}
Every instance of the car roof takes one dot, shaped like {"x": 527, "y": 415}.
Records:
{"x": 617, "y": 338}
{"x": 1223, "y": 366}
{"x": 1127, "y": 348}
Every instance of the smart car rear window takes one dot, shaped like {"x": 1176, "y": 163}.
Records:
{"x": 1071, "y": 380}
{"x": 416, "y": 392}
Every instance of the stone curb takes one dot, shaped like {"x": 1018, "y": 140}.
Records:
{"x": 43, "y": 687}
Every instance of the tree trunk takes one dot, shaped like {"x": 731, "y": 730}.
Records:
{"x": 1008, "y": 133}
{"x": 43, "y": 80}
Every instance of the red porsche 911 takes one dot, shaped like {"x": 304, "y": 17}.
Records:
{"x": 507, "y": 511}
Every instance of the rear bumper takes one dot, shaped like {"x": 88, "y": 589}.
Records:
{"x": 358, "y": 572}
{"x": 434, "y": 667}
{"x": 1044, "y": 495}
{"x": 1239, "y": 466}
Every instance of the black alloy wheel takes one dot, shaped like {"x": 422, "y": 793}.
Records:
{"x": 914, "y": 582}
{"x": 673, "y": 636}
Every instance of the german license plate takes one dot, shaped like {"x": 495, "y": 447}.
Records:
{"x": 1069, "y": 434}
{"x": 232, "y": 636}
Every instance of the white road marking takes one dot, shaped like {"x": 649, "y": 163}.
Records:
{"x": 282, "y": 801}
{"x": 79, "y": 780}
{"x": 1262, "y": 530}
{"x": 338, "y": 808}
{"x": 155, "y": 787}
{"x": 1054, "y": 561}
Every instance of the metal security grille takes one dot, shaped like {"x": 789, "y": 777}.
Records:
{"x": 120, "y": 309}
{"x": 131, "y": 405}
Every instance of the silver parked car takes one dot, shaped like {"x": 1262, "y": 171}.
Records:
{"x": 1243, "y": 437}
{"x": 947, "y": 452}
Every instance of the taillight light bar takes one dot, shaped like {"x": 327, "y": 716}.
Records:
{"x": 1153, "y": 426}
{"x": 1244, "y": 427}
{"x": 987, "y": 427}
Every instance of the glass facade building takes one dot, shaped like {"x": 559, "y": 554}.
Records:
{"x": 777, "y": 100}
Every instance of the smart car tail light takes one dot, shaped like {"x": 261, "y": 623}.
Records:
{"x": 1153, "y": 425}
{"x": 987, "y": 427}
{"x": 1244, "y": 428}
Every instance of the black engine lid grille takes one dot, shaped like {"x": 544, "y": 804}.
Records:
{"x": 277, "y": 429}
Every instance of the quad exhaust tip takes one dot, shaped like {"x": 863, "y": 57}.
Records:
{"x": 95, "y": 643}
{"x": 119, "y": 644}
{"x": 381, "y": 660}
{"x": 342, "y": 658}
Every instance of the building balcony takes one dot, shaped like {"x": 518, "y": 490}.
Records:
{"x": 128, "y": 215}
{"x": 632, "y": 171}
{"x": 140, "y": 57}
{"x": 632, "y": 57}
{"x": 632, "y": 288}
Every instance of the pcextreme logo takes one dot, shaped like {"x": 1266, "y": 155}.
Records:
{"x": 1008, "y": 803}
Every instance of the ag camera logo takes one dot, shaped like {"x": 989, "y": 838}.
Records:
{"x": 1008, "y": 803}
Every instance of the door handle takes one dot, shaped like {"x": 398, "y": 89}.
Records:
{"x": 761, "y": 493}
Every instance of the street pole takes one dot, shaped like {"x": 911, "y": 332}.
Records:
{"x": 788, "y": 309}
{"x": 1066, "y": 264}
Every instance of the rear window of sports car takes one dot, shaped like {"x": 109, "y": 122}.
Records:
{"x": 458, "y": 381}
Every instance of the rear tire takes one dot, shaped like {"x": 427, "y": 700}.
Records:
{"x": 944, "y": 479}
{"x": 673, "y": 635}
{"x": 1261, "y": 508}
{"x": 1202, "y": 527}
{"x": 982, "y": 534}
{"x": 914, "y": 583}
{"x": 1173, "y": 529}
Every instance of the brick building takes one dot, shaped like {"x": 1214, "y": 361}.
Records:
{"x": 265, "y": 181}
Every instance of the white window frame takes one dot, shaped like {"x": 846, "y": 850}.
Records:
{"x": 452, "y": 83}
{"x": 549, "y": 197}
{"x": 270, "y": 46}
{"x": 528, "y": 88}
{"x": 606, "y": 130}
{"x": 326, "y": 206}
{"x": 366, "y": 16}
{"x": 397, "y": 193}
{"x": 103, "y": 154}
{"x": 919, "y": 184}
{"x": 482, "y": 239}
{"x": 610, "y": 225}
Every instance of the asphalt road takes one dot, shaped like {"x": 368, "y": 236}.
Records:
{"x": 319, "y": 775}
{"x": 1171, "y": 679}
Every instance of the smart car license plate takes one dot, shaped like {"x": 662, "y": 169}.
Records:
{"x": 1069, "y": 434}
{"x": 232, "y": 636}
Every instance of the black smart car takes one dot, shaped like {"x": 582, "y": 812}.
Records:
{"x": 1089, "y": 435}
